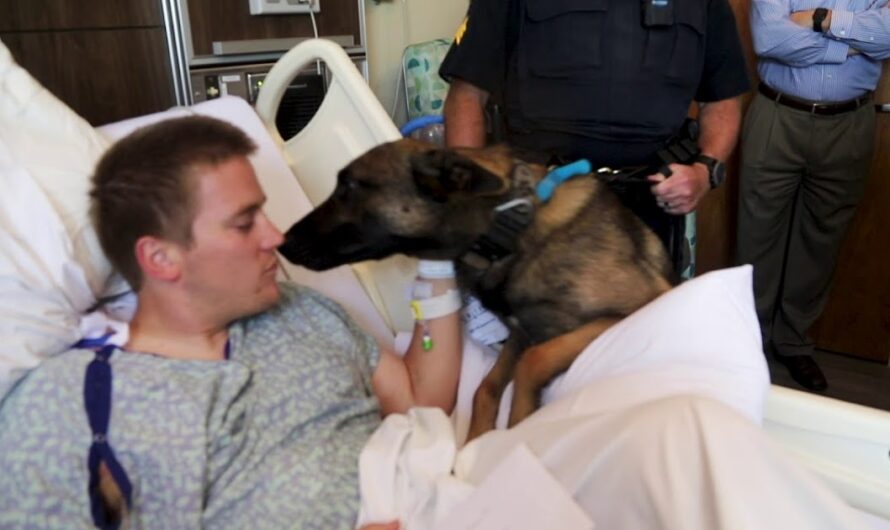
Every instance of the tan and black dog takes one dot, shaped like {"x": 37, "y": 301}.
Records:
{"x": 558, "y": 273}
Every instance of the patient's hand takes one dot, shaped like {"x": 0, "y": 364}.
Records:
{"x": 392, "y": 525}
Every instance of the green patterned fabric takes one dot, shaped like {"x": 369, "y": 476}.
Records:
{"x": 425, "y": 91}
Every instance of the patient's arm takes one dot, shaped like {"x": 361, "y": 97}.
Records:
{"x": 423, "y": 378}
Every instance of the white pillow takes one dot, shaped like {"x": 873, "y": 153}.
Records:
{"x": 42, "y": 289}
{"x": 51, "y": 265}
{"x": 58, "y": 149}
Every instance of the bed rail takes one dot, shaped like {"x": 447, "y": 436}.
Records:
{"x": 847, "y": 445}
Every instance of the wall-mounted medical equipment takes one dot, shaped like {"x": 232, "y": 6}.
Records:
{"x": 283, "y": 7}
{"x": 212, "y": 42}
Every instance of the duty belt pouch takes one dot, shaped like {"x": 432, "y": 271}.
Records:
{"x": 658, "y": 13}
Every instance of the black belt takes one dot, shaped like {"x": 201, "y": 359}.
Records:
{"x": 822, "y": 109}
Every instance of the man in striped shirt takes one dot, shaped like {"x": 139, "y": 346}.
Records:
{"x": 807, "y": 144}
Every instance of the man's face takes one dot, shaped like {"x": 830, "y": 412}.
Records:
{"x": 230, "y": 266}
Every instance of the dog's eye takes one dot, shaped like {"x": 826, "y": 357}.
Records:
{"x": 363, "y": 184}
{"x": 349, "y": 185}
{"x": 344, "y": 188}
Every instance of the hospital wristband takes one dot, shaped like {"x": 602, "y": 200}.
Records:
{"x": 435, "y": 270}
{"x": 436, "y": 306}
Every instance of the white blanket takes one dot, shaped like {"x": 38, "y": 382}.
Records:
{"x": 664, "y": 405}
{"x": 684, "y": 462}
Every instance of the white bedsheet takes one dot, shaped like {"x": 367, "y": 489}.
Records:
{"x": 693, "y": 352}
{"x": 683, "y": 462}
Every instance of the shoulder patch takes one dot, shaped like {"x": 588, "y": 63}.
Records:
{"x": 459, "y": 34}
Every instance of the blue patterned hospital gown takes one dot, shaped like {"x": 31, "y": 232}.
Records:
{"x": 269, "y": 439}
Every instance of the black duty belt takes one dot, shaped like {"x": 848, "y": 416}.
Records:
{"x": 822, "y": 109}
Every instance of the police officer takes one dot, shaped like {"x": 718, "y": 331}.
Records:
{"x": 607, "y": 80}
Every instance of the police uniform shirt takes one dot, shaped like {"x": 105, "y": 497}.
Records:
{"x": 579, "y": 78}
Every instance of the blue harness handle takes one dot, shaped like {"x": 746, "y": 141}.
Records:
{"x": 559, "y": 175}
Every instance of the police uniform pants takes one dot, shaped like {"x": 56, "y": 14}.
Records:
{"x": 802, "y": 176}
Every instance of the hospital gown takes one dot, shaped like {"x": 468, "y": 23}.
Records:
{"x": 268, "y": 439}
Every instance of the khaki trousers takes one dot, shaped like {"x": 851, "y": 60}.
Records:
{"x": 802, "y": 176}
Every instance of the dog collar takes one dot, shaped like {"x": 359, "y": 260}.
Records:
{"x": 544, "y": 190}
{"x": 510, "y": 219}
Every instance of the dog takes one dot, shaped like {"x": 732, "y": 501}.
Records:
{"x": 557, "y": 272}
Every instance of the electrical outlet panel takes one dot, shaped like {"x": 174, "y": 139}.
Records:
{"x": 283, "y": 7}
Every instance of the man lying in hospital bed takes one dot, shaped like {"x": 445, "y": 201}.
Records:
{"x": 654, "y": 427}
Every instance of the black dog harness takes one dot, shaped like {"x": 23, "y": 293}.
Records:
{"x": 511, "y": 218}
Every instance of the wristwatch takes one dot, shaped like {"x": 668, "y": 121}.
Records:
{"x": 819, "y": 15}
{"x": 716, "y": 169}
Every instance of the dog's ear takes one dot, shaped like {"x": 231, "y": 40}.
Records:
{"x": 441, "y": 172}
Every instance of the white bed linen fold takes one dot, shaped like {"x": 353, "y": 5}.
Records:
{"x": 406, "y": 467}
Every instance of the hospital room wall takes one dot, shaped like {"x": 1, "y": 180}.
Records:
{"x": 393, "y": 25}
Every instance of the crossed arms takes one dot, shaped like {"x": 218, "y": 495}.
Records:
{"x": 788, "y": 37}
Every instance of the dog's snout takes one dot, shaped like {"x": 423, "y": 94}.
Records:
{"x": 299, "y": 244}
{"x": 308, "y": 255}
{"x": 293, "y": 251}
{"x": 306, "y": 245}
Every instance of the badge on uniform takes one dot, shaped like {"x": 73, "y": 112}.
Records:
{"x": 459, "y": 34}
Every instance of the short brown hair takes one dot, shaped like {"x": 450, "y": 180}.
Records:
{"x": 142, "y": 185}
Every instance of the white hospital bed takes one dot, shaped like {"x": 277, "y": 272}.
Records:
{"x": 846, "y": 445}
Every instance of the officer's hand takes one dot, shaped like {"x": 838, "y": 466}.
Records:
{"x": 679, "y": 194}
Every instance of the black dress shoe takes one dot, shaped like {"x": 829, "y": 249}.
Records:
{"x": 805, "y": 371}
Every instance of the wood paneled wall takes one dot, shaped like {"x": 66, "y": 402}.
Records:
{"x": 46, "y": 15}
{"x": 106, "y": 59}
{"x": 230, "y": 20}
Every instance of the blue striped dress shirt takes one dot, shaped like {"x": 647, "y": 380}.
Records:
{"x": 818, "y": 66}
